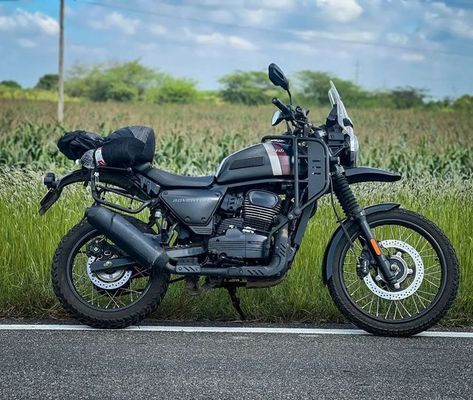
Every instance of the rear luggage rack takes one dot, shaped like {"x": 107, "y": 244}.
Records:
{"x": 98, "y": 191}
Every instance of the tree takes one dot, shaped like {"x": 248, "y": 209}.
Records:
{"x": 173, "y": 90}
{"x": 247, "y": 87}
{"x": 48, "y": 82}
{"x": 407, "y": 97}
{"x": 120, "y": 82}
{"x": 120, "y": 91}
{"x": 10, "y": 84}
{"x": 464, "y": 103}
{"x": 313, "y": 87}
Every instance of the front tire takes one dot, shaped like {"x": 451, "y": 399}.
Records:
{"x": 81, "y": 296}
{"x": 428, "y": 272}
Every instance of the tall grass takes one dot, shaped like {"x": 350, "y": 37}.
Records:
{"x": 432, "y": 149}
{"x": 28, "y": 243}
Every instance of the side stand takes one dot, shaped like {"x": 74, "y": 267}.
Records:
{"x": 236, "y": 301}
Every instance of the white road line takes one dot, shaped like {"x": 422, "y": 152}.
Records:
{"x": 303, "y": 332}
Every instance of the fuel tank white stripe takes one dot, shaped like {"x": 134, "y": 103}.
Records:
{"x": 273, "y": 158}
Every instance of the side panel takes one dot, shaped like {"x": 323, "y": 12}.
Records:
{"x": 317, "y": 168}
{"x": 338, "y": 235}
{"x": 193, "y": 206}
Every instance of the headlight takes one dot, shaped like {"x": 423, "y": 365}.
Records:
{"x": 354, "y": 147}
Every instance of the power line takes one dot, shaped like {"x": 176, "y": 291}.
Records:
{"x": 268, "y": 30}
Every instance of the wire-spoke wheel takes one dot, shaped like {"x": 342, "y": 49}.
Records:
{"x": 425, "y": 266}
{"x": 110, "y": 299}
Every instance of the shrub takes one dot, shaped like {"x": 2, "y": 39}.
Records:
{"x": 173, "y": 91}
{"x": 247, "y": 87}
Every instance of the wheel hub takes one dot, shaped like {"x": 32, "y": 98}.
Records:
{"x": 111, "y": 281}
{"x": 401, "y": 269}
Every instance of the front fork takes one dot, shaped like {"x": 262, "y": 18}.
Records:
{"x": 352, "y": 209}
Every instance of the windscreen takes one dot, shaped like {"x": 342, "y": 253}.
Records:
{"x": 343, "y": 119}
{"x": 342, "y": 116}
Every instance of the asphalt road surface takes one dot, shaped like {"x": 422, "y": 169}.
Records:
{"x": 80, "y": 364}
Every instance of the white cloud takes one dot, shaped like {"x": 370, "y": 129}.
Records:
{"x": 413, "y": 57}
{"x": 357, "y": 36}
{"x": 397, "y": 38}
{"x": 116, "y": 21}
{"x": 272, "y": 4}
{"x": 219, "y": 39}
{"x": 299, "y": 48}
{"x": 255, "y": 17}
{"x": 307, "y": 49}
{"x": 22, "y": 20}
{"x": 7, "y": 23}
{"x": 240, "y": 43}
{"x": 340, "y": 10}
{"x": 26, "y": 43}
{"x": 456, "y": 21}
{"x": 214, "y": 38}
{"x": 158, "y": 30}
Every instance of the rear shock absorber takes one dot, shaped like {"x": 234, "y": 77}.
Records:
{"x": 352, "y": 209}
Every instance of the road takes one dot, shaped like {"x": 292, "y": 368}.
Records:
{"x": 146, "y": 364}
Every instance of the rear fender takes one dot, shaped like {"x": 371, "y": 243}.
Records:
{"x": 339, "y": 235}
{"x": 136, "y": 185}
{"x": 56, "y": 187}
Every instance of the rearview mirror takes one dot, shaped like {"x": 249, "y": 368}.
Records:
{"x": 277, "y": 77}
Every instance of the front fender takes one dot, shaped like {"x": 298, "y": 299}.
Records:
{"x": 368, "y": 174}
{"x": 338, "y": 235}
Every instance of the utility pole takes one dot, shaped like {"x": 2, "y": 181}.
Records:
{"x": 60, "y": 86}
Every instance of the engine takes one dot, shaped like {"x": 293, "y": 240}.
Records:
{"x": 245, "y": 233}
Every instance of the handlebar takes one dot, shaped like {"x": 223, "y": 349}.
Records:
{"x": 279, "y": 104}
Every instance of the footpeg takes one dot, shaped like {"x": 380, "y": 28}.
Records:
{"x": 192, "y": 287}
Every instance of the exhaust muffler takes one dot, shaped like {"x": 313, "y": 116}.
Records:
{"x": 127, "y": 237}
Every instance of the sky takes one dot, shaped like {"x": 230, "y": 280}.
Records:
{"x": 380, "y": 44}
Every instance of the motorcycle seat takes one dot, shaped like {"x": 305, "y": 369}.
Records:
{"x": 173, "y": 181}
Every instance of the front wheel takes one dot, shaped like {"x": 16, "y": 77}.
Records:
{"x": 426, "y": 269}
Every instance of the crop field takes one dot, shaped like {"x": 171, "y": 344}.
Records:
{"x": 433, "y": 150}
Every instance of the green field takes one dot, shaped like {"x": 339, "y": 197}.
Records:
{"x": 433, "y": 150}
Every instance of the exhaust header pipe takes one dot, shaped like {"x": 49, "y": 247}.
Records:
{"x": 127, "y": 237}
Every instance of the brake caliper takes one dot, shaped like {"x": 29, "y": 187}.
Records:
{"x": 363, "y": 264}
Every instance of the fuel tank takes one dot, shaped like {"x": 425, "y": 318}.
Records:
{"x": 260, "y": 161}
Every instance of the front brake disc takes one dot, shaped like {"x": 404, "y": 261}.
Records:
{"x": 418, "y": 277}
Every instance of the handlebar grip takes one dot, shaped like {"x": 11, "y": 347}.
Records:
{"x": 279, "y": 104}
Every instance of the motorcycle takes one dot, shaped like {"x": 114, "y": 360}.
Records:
{"x": 390, "y": 271}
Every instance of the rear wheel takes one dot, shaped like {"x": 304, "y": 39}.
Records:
{"x": 104, "y": 300}
{"x": 425, "y": 265}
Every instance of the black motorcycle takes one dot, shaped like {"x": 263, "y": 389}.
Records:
{"x": 390, "y": 271}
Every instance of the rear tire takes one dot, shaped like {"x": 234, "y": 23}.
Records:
{"x": 80, "y": 309}
{"x": 411, "y": 324}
